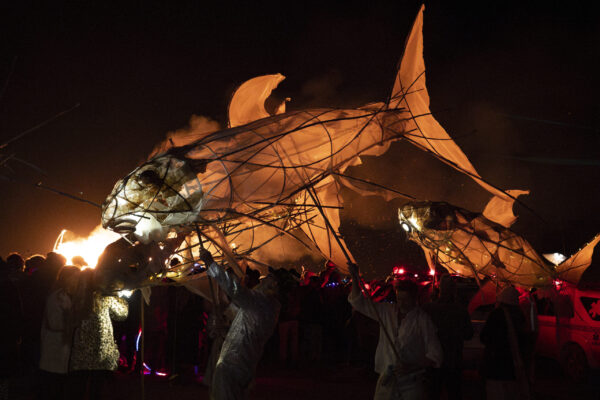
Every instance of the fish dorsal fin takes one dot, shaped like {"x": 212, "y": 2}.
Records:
{"x": 500, "y": 209}
{"x": 248, "y": 102}
{"x": 571, "y": 269}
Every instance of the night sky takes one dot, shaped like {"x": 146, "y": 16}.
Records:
{"x": 515, "y": 85}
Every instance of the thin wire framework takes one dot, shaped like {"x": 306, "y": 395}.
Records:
{"x": 279, "y": 175}
{"x": 239, "y": 189}
{"x": 203, "y": 184}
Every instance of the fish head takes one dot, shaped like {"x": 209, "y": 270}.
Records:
{"x": 426, "y": 221}
{"x": 155, "y": 198}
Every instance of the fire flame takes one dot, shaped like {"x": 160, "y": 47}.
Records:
{"x": 89, "y": 248}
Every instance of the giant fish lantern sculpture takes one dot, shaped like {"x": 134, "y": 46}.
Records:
{"x": 482, "y": 245}
{"x": 272, "y": 175}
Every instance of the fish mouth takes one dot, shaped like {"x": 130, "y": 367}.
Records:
{"x": 122, "y": 226}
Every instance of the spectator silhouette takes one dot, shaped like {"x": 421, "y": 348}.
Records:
{"x": 506, "y": 343}
{"x": 453, "y": 327}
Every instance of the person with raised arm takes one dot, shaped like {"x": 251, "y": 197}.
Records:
{"x": 250, "y": 329}
{"x": 408, "y": 342}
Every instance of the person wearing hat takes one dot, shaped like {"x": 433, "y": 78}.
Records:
{"x": 504, "y": 336}
{"x": 252, "y": 326}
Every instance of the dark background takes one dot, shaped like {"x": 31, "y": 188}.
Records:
{"x": 515, "y": 84}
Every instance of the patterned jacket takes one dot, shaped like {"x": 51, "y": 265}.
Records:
{"x": 94, "y": 346}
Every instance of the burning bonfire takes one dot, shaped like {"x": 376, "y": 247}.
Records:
{"x": 87, "y": 248}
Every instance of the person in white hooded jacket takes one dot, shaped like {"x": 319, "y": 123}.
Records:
{"x": 412, "y": 345}
{"x": 57, "y": 334}
{"x": 252, "y": 326}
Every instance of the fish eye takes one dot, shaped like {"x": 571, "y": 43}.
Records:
{"x": 149, "y": 177}
{"x": 405, "y": 226}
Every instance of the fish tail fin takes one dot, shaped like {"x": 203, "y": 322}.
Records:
{"x": 571, "y": 269}
{"x": 409, "y": 86}
{"x": 410, "y": 95}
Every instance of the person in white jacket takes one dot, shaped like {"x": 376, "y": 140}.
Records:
{"x": 57, "y": 334}
{"x": 412, "y": 345}
{"x": 252, "y": 326}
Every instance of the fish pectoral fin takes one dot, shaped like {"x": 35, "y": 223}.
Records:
{"x": 248, "y": 102}
{"x": 500, "y": 209}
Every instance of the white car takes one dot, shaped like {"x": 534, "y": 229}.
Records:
{"x": 569, "y": 329}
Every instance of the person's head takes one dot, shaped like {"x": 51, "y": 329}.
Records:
{"x": 55, "y": 260}
{"x": 68, "y": 279}
{"x": 79, "y": 261}
{"x": 14, "y": 262}
{"x": 509, "y": 296}
{"x": 329, "y": 265}
{"x": 268, "y": 285}
{"x": 406, "y": 295}
{"x": 34, "y": 263}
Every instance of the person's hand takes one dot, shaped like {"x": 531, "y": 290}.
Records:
{"x": 353, "y": 270}
{"x": 206, "y": 257}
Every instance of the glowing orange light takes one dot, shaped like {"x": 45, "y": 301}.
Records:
{"x": 89, "y": 248}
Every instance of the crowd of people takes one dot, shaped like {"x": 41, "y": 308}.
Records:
{"x": 60, "y": 331}
{"x": 69, "y": 337}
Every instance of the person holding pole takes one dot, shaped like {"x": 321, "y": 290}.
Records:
{"x": 408, "y": 342}
{"x": 252, "y": 326}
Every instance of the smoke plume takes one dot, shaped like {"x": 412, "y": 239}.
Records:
{"x": 198, "y": 127}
